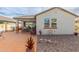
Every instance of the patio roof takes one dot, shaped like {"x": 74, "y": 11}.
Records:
{"x": 22, "y": 17}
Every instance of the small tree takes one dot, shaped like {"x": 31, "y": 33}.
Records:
{"x": 30, "y": 44}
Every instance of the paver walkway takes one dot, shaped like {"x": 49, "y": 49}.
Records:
{"x": 13, "y": 42}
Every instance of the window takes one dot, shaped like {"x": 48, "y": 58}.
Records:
{"x": 46, "y": 23}
{"x": 54, "y": 23}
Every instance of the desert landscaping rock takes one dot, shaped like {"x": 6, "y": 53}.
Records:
{"x": 60, "y": 43}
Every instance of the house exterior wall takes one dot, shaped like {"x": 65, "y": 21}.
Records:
{"x": 7, "y": 26}
{"x": 65, "y": 22}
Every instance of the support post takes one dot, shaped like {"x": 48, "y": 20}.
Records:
{"x": 5, "y": 26}
{"x": 17, "y": 26}
{"x": 22, "y": 23}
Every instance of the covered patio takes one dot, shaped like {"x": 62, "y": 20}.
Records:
{"x": 25, "y": 23}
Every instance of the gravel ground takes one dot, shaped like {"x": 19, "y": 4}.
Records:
{"x": 58, "y": 43}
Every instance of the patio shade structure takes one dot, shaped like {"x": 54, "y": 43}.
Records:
{"x": 24, "y": 20}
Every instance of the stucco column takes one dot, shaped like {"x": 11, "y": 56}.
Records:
{"x": 5, "y": 26}
{"x": 17, "y": 26}
{"x": 22, "y": 24}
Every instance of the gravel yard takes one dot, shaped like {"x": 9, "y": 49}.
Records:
{"x": 59, "y": 43}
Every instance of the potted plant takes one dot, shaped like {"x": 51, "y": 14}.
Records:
{"x": 75, "y": 33}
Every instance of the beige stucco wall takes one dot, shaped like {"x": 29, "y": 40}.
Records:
{"x": 65, "y": 22}
{"x": 8, "y": 26}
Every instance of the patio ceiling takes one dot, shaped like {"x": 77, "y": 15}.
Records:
{"x": 25, "y": 18}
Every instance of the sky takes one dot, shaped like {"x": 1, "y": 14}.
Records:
{"x": 20, "y": 11}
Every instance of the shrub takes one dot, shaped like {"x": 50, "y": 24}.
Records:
{"x": 30, "y": 44}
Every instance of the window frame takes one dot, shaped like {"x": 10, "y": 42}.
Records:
{"x": 54, "y": 22}
{"x": 46, "y": 23}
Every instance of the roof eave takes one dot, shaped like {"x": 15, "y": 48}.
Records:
{"x": 59, "y": 8}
